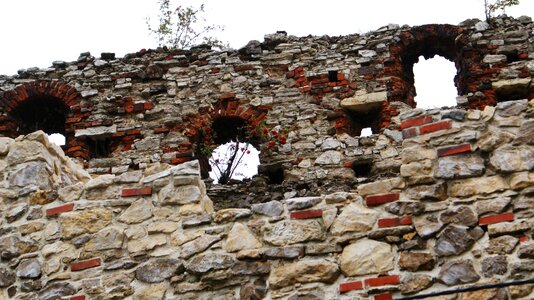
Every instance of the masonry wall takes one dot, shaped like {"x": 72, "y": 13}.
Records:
{"x": 434, "y": 199}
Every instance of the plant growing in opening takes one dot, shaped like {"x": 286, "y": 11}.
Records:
{"x": 183, "y": 27}
{"x": 232, "y": 159}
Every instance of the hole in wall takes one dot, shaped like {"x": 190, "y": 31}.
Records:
{"x": 57, "y": 138}
{"x": 434, "y": 82}
{"x": 234, "y": 161}
{"x": 364, "y": 123}
{"x": 274, "y": 173}
{"x": 41, "y": 113}
{"x": 512, "y": 56}
{"x": 227, "y": 129}
{"x": 332, "y": 76}
{"x": 367, "y": 131}
{"x": 99, "y": 147}
{"x": 362, "y": 168}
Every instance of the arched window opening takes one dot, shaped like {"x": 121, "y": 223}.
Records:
{"x": 41, "y": 113}
{"x": 434, "y": 82}
{"x": 235, "y": 158}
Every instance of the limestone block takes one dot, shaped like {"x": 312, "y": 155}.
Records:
{"x": 291, "y": 232}
{"x": 460, "y": 166}
{"x": 97, "y": 131}
{"x": 475, "y": 186}
{"x": 138, "y": 211}
{"x": 364, "y": 103}
{"x": 510, "y": 158}
{"x": 85, "y": 221}
{"x": 367, "y": 257}
{"x": 380, "y": 187}
{"x": 304, "y": 271}
{"x": 354, "y": 218}
{"x": 511, "y": 85}
{"x": 240, "y": 238}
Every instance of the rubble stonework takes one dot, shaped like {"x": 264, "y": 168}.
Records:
{"x": 433, "y": 200}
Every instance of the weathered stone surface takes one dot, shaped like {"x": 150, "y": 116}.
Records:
{"x": 198, "y": 245}
{"x": 231, "y": 214}
{"x": 146, "y": 243}
{"x": 415, "y": 283}
{"x": 163, "y": 227}
{"x": 139, "y": 211}
{"x": 510, "y": 158}
{"x": 56, "y": 290}
{"x": 284, "y": 252}
{"x": 401, "y": 208}
{"x": 7, "y": 277}
{"x": 508, "y": 227}
{"x": 31, "y": 174}
{"x": 180, "y": 195}
{"x": 417, "y": 168}
{"x": 486, "y": 294}
{"x": 507, "y": 86}
{"x": 453, "y": 240}
{"x": 158, "y": 270}
{"x": 494, "y": 265}
{"x": 240, "y": 238}
{"x": 518, "y": 291}
{"x": 106, "y": 239}
{"x": 502, "y": 245}
{"x": 100, "y": 182}
{"x": 271, "y": 208}
{"x": 302, "y": 203}
{"x": 303, "y": 272}
{"x": 427, "y": 225}
{"x": 492, "y": 139}
{"x": 458, "y": 272}
{"x": 330, "y": 157}
{"x": 474, "y": 186}
{"x": 460, "y": 166}
{"x": 29, "y": 268}
{"x": 380, "y": 187}
{"x": 16, "y": 212}
{"x": 417, "y": 153}
{"x": 433, "y": 192}
{"x": 209, "y": 261}
{"x": 526, "y": 132}
{"x": 416, "y": 261}
{"x": 85, "y": 221}
{"x": 461, "y": 215}
{"x": 354, "y": 218}
{"x": 291, "y": 232}
{"x": 494, "y": 206}
{"x": 253, "y": 290}
{"x": 152, "y": 292}
{"x": 521, "y": 180}
{"x": 526, "y": 251}
{"x": 366, "y": 257}
{"x": 365, "y": 102}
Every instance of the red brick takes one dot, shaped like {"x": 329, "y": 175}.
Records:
{"x": 59, "y": 209}
{"x": 410, "y": 132}
{"x": 392, "y": 222}
{"x": 79, "y": 297}
{"x": 180, "y": 160}
{"x": 307, "y": 214}
{"x": 504, "y": 217}
{"x": 380, "y": 281}
{"x": 160, "y": 130}
{"x": 523, "y": 239}
{"x": 381, "y": 199}
{"x": 86, "y": 264}
{"x": 452, "y": 150}
{"x": 145, "y": 191}
{"x": 416, "y": 122}
{"x": 350, "y": 286}
{"x": 435, "y": 127}
{"x": 385, "y": 296}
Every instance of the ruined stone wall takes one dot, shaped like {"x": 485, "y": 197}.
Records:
{"x": 432, "y": 200}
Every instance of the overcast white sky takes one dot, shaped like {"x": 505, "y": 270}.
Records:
{"x": 37, "y": 32}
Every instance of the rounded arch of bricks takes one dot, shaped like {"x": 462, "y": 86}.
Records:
{"x": 227, "y": 105}
{"x": 58, "y": 90}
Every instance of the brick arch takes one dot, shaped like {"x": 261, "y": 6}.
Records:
{"x": 226, "y": 106}
{"x": 53, "y": 89}
{"x": 427, "y": 40}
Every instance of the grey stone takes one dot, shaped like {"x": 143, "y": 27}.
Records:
{"x": 198, "y": 245}
{"x": 434, "y": 192}
{"x": 56, "y": 290}
{"x": 16, "y": 212}
{"x": 7, "y": 277}
{"x": 510, "y": 158}
{"x": 401, "y": 208}
{"x": 460, "y": 166}
{"x": 210, "y": 261}
{"x": 511, "y": 108}
{"x": 416, "y": 261}
{"x": 495, "y": 205}
{"x": 284, "y": 252}
{"x": 158, "y": 270}
{"x": 453, "y": 241}
{"x": 415, "y": 283}
{"x": 462, "y": 215}
{"x": 427, "y": 225}
{"x": 458, "y": 272}
{"x": 526, "y": 251}
{"x": 494, "y": 265}
{"x": 29, "y": 268}
{"x": 33, "y": 173}
{"x": 271, "y": 208}
{"x": 493, "y": 138}
{"x": 526, "y": 132}
{"x": 329, "y": 157}
{"x": 97, "y": 131}
{"x": 291, "y": 232}
{"x": 302, "y": 203}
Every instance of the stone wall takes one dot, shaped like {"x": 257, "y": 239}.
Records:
{"x": 433, "y": 200}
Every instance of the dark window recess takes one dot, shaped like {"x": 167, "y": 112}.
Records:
{"x": 362, "y": 168}
{"x": 512, "y": 56}
{"x": 41, "y": 113}
{"x": 226, "y": 129}
{"x": 99, "y": 147}
{"x": 273, "y": 172}
{"x": 332, "y": 76}
{"x": 363, "y": 120}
